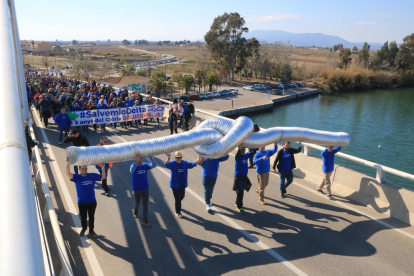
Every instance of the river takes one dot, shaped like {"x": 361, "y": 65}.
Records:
{"x": 372, "y": 118}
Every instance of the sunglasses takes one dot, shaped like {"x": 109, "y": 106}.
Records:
{"x": 178, "y": 158}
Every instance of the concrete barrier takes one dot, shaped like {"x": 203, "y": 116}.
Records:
{"x": 385, "y": 198}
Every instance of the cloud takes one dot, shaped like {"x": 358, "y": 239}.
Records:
{"x": 276, "y": 17}
{"x": 384, "y": 15}
{"x": 365, "y": 23}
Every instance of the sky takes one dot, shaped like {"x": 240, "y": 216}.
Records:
{"x": 90, "y": 20}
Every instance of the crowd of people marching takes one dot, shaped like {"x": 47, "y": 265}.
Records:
{"x": 54, "y": 96}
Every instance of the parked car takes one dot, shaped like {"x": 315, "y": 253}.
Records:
{"x": 280, "y": 86}
{"x": 209, "y": 95}
{"x": 250, "y": 88}
{"x": 172, "y": 98}
{"x": 287, "y": 85}
{"x": 293, "y": 85}
{"x": 277, "y": 91}
{"x": 164, "y": 99}
{"x": 233, "y": 91}
{"x": 194, "y": 97}
{"x": 216, "y": 94}
{"x": 184, "y": 98}
{"x": 202, "y": 96}
{"x": 258, "y": 86}
{"x": 224, "y": 93}
{"x": 264, "y": 87}
{"x": 300, "y": 84}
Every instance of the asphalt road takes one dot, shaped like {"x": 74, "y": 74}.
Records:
{"x": 304, "y": 234}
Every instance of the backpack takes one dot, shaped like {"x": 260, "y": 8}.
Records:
{"x": 191, "y": 107}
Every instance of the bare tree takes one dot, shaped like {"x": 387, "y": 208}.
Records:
{"x": 84, "y": 69}
{"x": 45, "y": 62}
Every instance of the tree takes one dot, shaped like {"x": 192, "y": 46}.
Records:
{"x": 45, "y": 62}
{"x": 393, "y": 52}
{"x": 345, "y": 58}
{"x": 176, "y": 77}
{"x": 405, "y": 57}
{"x": 84, "y": 69}
{"x": 363, "y": 56}
{"x": 116, "y": 66}
{"x": 170, "y": 86}
{"x": 158, "y": 74}
{"x": 211, "y": 79}
{"x": 74, "y": 42}
{"x": 199, "y": 75}
{"x": 186, "y": 82}
{"x": 157, "y": 85}
{"x": 126, "y": 42}
{"x": 109, "y": 40}
{"x": 128, "y": 70}
{"x": 141, "y": 72}
{"x": 122, "y": 59}
{"x": 136, "y": 42}
{"x": 355, "y": 48}
{"x": 224, "y": 39}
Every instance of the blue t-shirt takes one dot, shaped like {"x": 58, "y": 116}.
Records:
{"x": 242, "y": 169}
{"x": 139, "y": 175}
{"x": 263, "y": 166}
{"x": 286, "y": 161}
{"x": 85, "y": 186}
{"x": 210, "y": 166}
{"x": 179, "y": 173}
{"x": 328, "y": 159}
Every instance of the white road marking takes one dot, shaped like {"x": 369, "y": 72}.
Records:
{"x": 233, "y": 224}
{"x": 90, "y": 254}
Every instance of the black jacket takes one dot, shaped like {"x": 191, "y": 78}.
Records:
{"x": 79, "y": 141}
{"x": 30, "y": 143}
{"x": 278, "y": 160}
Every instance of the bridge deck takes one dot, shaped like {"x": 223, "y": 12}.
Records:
{"x": 304, "y": 233}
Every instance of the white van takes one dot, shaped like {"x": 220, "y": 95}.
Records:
{"x": 257, "y": 86}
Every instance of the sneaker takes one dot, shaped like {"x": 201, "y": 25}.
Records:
{"x": 208, "y": 208}
{"x": 106, "y": 194}
{"x": 320, "y": 191}
{"x": 257, "y": 191}
{"x": 135, "y": 213}
{"x": 282, "y": 195}
{"x": 158, "y": 123}
{"x": 262, "y": 202}
{"x": 211, "y": 204}
{"x": 60, "y": 142}
{"x": 146, "y": 223}
{"x": 330, "y": 197}
{"x": 178, "y": 215}
{"x": 92, "y": 234}
{"x": 241, "y": 210}
{"x": 82, "y": 232}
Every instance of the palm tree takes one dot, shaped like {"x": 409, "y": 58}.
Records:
{"x": 157, "y": 85}
{"x": 212, "y": 79}
{"x": 200, "y": 75}
{"x": 186, "y": 82}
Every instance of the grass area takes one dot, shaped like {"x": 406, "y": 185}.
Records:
{"x": 39, "y": 61}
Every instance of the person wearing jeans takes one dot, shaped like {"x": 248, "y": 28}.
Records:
{"x": 140, "y": 185}
{"x": 178, "y": 179}
{"x": 210, "y": 167}
{"x": 328, "y": 165}
{"x": 241, "y": 181}
{"x": 262, "y": 162}
{"x": 85, "y": 189}
{"x": 285, "y": 163}
{"x": 63, "y": 122}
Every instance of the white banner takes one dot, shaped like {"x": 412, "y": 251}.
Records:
{"x": 116, "y": 115}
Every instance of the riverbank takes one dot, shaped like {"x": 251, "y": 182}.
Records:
{"x": 339, "y": 80}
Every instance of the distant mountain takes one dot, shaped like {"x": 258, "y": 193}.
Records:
{"x": 306, "y": 39}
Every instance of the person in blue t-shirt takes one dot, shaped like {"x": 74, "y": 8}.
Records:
{"x": 210, "y": 167}
{"x": 140, "y": 185}
{"x": 262, "y": 161}
{"x": 85, "y": 189}
{"x": 328, "y": 165}
{"x": 178, "y": 180}
{"x": 63, "y": 122}
{"x": 285, "y": 163}
{"x": 241, "y": 181}
{"x": 104, "y": 142}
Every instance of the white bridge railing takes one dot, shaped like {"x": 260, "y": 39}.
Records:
{"x": 22, "y": 246}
